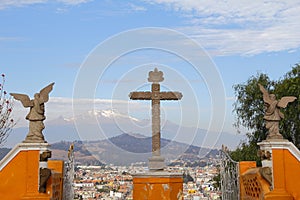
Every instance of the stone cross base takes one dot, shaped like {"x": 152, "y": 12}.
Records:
{"x": 156, "y": 163}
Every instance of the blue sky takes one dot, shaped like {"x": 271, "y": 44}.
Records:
{"x": 44, "y": 41}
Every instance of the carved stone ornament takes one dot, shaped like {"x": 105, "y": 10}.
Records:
{"x": 156, "y": 76}
{"x": 36, "y": 115}
{"x": 266, "y": 173}
{"x": 264, "y": 155}
{"x": 45, "y": 174}
{"x": 45, "y": 155}
{"x": 272, "y": 112}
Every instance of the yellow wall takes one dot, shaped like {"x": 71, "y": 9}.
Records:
{"x": 154, "y": 188}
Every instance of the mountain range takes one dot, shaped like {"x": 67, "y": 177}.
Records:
{"x": 103, "y": 124}
{"x": 127, "y": 149}
{"x": 107, "y": 136}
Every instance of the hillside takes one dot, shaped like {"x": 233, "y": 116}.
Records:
{"x": 126, "y": 149}
{"x": 82, "y": 155}
{"x": 3, "y": 152}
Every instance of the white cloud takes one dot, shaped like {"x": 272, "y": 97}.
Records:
{"x": 225, "y": 27}
{"x": 73, "y": 2}
{"x": 3, "y": 39}
{"x": 239, "y": 27}
{"x": 17, "y": 3}
{"x": 136, "y": 8}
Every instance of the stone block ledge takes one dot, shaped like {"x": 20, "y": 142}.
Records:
{"x": 281, "y": 144}
{"x": 158, "y": 174}
{"x": 22, "y": 147}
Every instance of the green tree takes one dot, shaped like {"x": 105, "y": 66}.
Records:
{"x": 6, "y": 106}
{"x": 246, "y": 152}
{"x": 290, "y": 86}
{"x": 249, "y": 107}
{"x": 249, "y": 110}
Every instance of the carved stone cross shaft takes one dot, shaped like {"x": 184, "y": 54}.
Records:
{"x": 156, "y": 162}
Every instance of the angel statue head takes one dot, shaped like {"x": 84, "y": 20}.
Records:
{"x": 272, "y": 96}
{"x": 37, "y": 95}
{"x": 272, "y": 112}
{"x": 36, "y": 115}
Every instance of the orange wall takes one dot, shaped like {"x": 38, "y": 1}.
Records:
{"x": 20, "y": 175}
{"x": 19, "y": 179}
{"x": 56, "y": 165}
{"x": 286, "y": 172}
{"x": 56, "y": 178}
{"x": 154, "y": 188}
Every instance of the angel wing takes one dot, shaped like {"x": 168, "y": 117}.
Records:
{"x": 283, "y": 102}
{"x": 266, "y": 95}
{"x": 23, "y": 98}
{"x": 44, "y": 93}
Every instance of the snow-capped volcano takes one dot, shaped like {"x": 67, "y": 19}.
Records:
{"x": 102, "y": 124}
{"x": 111, "y": 113}
{"x": 97, "y": 116}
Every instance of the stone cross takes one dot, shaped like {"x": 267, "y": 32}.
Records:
{"x": 156, "y": 162}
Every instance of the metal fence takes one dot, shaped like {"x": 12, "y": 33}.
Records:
{"x": 68, "y": 189}
{"x": 229, "y": 174}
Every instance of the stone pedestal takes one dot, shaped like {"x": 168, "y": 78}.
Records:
{"x": 158, "y": 185}
{"x": 156, "y": 163}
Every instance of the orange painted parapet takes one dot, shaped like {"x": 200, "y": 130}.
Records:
{"x": 56, "y": 165}
{"x": 292, "y": 172}
{"x": 286, "y": 172}
{"x": 243, "y": 167}
{"x": 253, "y": 185}
{"x": 56, "y": 179}
{"x": 285, "y": 164}
{"x": 20, "y": 174}
{"x": 54, "y": 186}
{"x": 158, "y": 185}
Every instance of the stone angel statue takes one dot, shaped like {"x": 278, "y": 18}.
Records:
{"x": 36, "y": 115}
{"x": 272, "y": 112}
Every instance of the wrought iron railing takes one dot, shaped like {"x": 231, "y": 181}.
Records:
{"x": 229, "y": 174}
{"x": 68, "y": 188}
